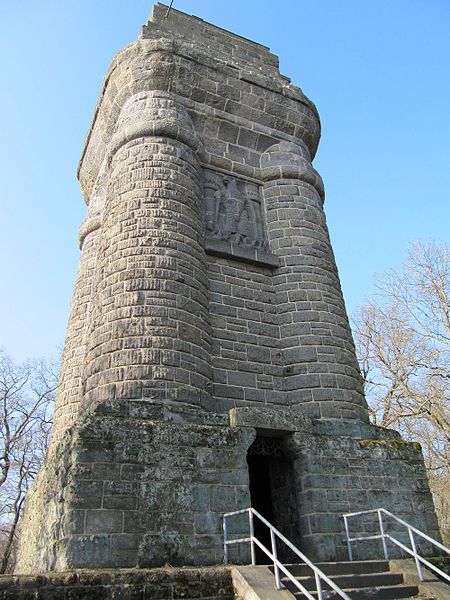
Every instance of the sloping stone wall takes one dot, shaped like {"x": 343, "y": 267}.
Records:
{"x": 142, "y": 485}
{"x": 137, "y": 485}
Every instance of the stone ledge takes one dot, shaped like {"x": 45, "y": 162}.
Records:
{"x": 245, "y": 253}
{"x": 273, "y": 419}
{"x": 257, "y": 583}
{"x": 432, "y": 587}
{"x": 169, "y": 583}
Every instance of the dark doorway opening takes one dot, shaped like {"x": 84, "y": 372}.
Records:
{"x": 261, "y": 497}
{"x": 272, "y": 493}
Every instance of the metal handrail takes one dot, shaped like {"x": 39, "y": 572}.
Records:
{"x": 273, "y": 555}
{"x": 383, "y": 536}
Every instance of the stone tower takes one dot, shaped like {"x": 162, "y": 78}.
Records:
{"x": 209, "y": 363}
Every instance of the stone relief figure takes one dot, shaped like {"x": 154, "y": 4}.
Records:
{"x": 253, "y": 203}
{"x": 233, "y": 210}
{"x": 213, "y": 199}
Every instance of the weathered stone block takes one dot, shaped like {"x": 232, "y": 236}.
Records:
{"x": 104, "y": 521}
{"x": 85, "y": 494}
{"x": 223, "y": 499}
{"x": 83, "y": 551}
{"x": 208, "y": 523}
{"x": 124, "y": 550}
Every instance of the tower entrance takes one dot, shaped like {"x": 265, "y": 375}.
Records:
{"x": 272, "y": 492}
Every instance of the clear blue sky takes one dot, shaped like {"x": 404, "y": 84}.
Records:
{"x": 378, "y": 71}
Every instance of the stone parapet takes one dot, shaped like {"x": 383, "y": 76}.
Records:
{"x": 238, "y": 110}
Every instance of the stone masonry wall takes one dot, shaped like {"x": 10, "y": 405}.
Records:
{"x": 245, "y": 333}
{"x": 135, "y": 485}
{"x": 168, "y": 583}
{"x": 317, "y": 351}
{"x": 337, "y": 475}
{"x": 142, "y": 485}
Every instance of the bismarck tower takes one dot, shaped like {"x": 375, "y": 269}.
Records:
{"x": 209, "y": 363}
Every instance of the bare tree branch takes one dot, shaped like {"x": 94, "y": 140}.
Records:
{"x": 26, "y": 397}
{"x": 403, "y": 345}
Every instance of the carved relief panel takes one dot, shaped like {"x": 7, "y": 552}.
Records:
{"x": 233, "y": 210}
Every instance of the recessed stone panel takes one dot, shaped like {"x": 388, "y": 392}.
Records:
{"x": 234, "y": 219}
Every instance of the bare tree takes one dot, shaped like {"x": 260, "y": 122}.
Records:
{"x": 403, "y": 345}
{"x": 26, "y": 397}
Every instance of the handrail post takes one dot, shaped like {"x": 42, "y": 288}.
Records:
{"x": 413, "y": 533}
{"x": 252, "y": 536}
{"x": 225, "y": 545}
{"x": 275, "y": 558}
{"x": 383, "y": 538}
{"x": 414, "y": 549}
{"x": 279, "y": 569}
{"x": 318, "y": 585}
{"x": 349, "y": 544}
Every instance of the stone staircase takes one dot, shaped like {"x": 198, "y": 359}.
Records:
{"x": 395, "y": 579}
{"x": 361, "y": 580}
{"x": 350, "y": 580}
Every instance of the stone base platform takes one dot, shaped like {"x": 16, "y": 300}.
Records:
{"x": 141, "y": 485}
{"x": 211, "y": 583}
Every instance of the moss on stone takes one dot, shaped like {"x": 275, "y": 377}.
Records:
{"x": 398, "y": 445}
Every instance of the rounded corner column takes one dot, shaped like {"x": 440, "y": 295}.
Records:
{"x": 150, "y": 337}
{"x": 320, "y": 370}
{"x": 70, "y": 388}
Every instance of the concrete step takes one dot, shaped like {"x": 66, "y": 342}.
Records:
{"x": 331, "y": 569}
{"x": 352, "y": 581}
{"x": 390, "y": 592}
{"x": 430, "y": 589}
{"x": 360, "y": 580}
